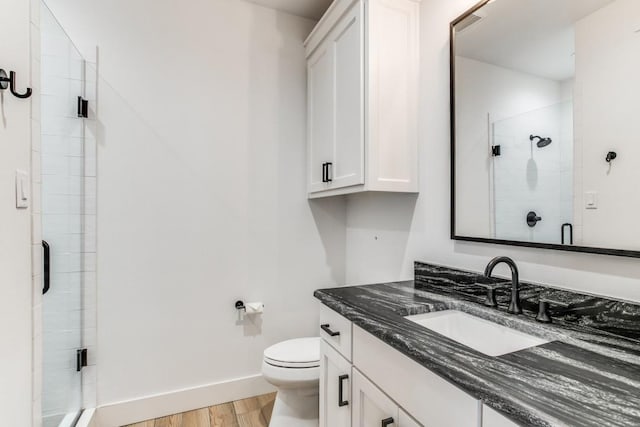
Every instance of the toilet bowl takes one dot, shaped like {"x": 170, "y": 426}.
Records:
{"x": 293, "y": 366}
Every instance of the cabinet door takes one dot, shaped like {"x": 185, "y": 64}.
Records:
{"x": 371, "y": 407}
{"x": 347, "y": 39}
{"x": 405, "y": 420}
{"x": 335, "y": 388}
{"x": 320, "y": 86}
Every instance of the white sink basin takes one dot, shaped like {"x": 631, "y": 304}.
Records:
{"x": 479, "y": 334}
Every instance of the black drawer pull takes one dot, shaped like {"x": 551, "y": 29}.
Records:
{"x": 329, "y": 331}
{"x": 387, "y": 421}
{"x": 341, "y": 401}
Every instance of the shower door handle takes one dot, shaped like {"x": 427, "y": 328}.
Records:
{"x": 46, "y": 266}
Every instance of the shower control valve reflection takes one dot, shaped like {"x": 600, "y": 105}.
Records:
{"x": 532, "y": 219}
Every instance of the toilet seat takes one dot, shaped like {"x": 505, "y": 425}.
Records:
{"x": 301, "y": 353}
{"x": 293, "y": 367}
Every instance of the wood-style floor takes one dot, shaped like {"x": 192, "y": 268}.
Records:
{"x": 252, "y": 412}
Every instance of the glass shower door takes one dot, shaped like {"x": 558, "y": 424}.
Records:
{"x": 62, "y": 74}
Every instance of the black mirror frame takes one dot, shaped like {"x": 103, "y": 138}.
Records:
{"x": 454, "y": 236}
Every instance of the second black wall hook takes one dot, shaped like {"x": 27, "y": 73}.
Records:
{"x": 10, "y": 82}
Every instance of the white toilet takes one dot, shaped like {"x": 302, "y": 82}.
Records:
{"x": 293, "y": 366}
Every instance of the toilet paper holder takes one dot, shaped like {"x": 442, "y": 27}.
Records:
{"x": 241, "y": 306}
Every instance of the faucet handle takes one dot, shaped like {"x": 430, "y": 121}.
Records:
{"x": 491, "y": 287}
{"x": 490, "y": 301}
{"x": 554, "y": 297}
{"x": 543, "y": 312}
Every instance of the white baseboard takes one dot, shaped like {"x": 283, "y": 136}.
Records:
{"x": 88, "y": 418}
{"x": 160, "y": 405}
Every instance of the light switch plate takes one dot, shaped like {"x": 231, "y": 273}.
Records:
{"x": 591, "y": 200}
{"x": 22, "y": 189}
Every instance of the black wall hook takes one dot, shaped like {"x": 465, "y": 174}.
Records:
{"x": 611, "y": 155}
{"x": 10, "y": 82}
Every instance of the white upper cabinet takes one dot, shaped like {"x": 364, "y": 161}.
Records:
{"x": 362, "y": 63}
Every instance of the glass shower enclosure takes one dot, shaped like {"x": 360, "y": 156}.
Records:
{"x": 63, "y": 124}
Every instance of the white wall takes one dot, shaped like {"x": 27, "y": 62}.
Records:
{"x": 201, "y": 190}
{"x": 15, "y": 225}
{"x": 408, "y": 229}
{"x": 607, "y": 87}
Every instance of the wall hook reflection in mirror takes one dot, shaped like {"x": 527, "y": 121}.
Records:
{"x": 10, "y": 82}
{"x": 611, "y": 155}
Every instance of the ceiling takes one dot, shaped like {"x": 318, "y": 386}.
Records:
{"x": 531, "y": 36}
{"x": 312, "y": 9}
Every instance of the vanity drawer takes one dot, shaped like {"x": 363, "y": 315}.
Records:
{"x": 336, "y": 330}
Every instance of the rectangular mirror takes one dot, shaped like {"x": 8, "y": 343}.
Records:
{"x": 545, "y": 125}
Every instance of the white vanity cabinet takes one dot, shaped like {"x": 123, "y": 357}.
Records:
{"x": 362, "y": 71}
{"x": 364, "y": 382}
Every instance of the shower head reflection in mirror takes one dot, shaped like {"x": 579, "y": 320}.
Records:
{"x": 542, "y": 142}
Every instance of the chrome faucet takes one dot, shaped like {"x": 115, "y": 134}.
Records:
{"x": 514, "y": 307}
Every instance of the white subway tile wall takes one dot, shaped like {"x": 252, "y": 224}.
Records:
{"x": 528, "y": 178}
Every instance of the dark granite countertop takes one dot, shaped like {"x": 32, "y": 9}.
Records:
{"x": 588, "y": 375}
